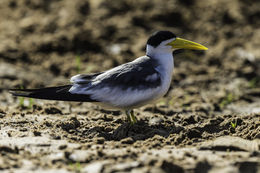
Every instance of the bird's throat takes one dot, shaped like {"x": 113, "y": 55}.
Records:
{"x": 165, "y": 68}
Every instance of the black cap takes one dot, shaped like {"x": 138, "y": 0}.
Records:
{"x": 159, "y": 37}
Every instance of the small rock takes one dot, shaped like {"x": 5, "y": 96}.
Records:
{"x": 128, "y": 140}
{"x": 155, "y": 121}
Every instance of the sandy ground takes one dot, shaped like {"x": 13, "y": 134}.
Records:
{"x": 208, "y": 121}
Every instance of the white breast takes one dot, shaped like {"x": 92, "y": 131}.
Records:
{"x": 165, "y": 69}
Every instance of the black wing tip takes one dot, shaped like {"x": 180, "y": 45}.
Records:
{"x": 12, "y": 90}
{"x": 18, "y": 92}
{"x": 59, "y": 93}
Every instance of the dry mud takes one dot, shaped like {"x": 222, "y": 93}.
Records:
{"x": 208, "y": 121}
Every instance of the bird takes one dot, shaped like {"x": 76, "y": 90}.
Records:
{"x": 127, "y": 86}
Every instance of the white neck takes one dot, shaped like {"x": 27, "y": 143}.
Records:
{"x": 163, "y": 56}
{"x": 165, "y": 67}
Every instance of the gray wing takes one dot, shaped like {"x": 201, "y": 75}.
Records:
{"x": 138, "y": 74}
{"x": 123, "y": 86}
{"x": 84, "y": 78}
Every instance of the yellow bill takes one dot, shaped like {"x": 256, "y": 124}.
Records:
{"x": 180, "y": 43}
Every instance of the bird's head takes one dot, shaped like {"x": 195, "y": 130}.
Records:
{"x": 166, "y": 42}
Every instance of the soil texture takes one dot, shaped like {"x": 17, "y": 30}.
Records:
{"x": 209, "y": 121}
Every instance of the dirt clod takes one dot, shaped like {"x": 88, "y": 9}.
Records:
{"x": 70, "y": 124}
{"x": 52, "y": 110}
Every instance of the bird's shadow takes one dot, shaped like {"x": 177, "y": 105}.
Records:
{"x": 142, "y": 130}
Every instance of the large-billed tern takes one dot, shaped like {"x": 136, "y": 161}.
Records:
{"x": 126, "y": 86}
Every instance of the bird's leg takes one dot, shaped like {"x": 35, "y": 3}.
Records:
{"x": 134, "y": 120}
{"x": 127, "y": 112}
{"x": 130, "y": 116}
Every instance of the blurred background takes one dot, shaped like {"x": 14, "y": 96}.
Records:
{"x": 207, "y": 122}
{"x": 45, "y": 42}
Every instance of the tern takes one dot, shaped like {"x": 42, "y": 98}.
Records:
{"x": 127, "y": 86}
